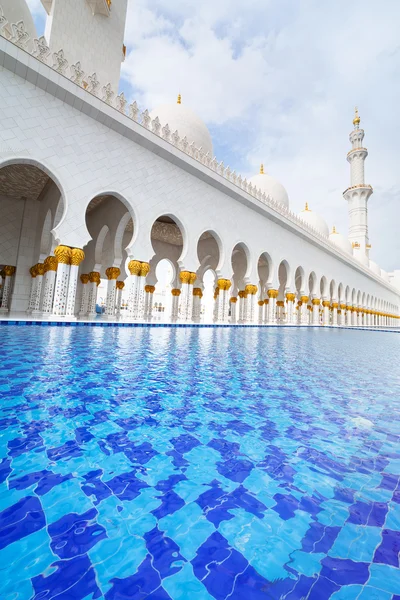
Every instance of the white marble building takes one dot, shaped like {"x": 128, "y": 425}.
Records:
{"x": 94, "y": 189}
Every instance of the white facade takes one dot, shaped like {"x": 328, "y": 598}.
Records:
{"x": 91, "y": 33}
{"x": 82, "y": 171}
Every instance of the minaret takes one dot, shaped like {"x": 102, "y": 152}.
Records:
{"x": 91, "y": 33}
{"x": 358, "y": 193}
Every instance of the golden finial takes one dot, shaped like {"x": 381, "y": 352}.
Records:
{"x": 334, "y": 229}
{"x": 262, "y": 169}
{"x": 179, "y": 99}
{"x": 356, "y": 120}
{"x": 306, "y": 207}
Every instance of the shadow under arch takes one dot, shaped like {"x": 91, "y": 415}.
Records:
{"x": 202, "y": 255}
{"x": 167, "y": 221}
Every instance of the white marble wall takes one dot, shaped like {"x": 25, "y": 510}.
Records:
{"x": 95, "y": 40}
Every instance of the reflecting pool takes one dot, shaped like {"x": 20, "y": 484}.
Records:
{"x": 143, "y": 463}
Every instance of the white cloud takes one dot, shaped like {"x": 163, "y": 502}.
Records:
{"x": 277, "y": 82}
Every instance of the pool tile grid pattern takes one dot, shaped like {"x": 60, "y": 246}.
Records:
{"x": 184, "y": 463}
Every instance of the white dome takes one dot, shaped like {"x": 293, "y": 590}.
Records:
{"x": 271, "y": 186}
{"x": 314, "y": 220}
{"x": 182, "y": 119}
{"x": 375, "y": 268}
{"x": 16, "y": 11}
{"x": 340, "y": 241}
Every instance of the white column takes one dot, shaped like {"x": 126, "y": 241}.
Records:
{"x": 272, "y": 295}
{"x": 120, "y": 286}
{"x": 50, "y": 268}
{"x": 303, "y": 310}
{"x": 291, "y": 313}
{"x": 148, "y": 302}
{"x": 38, "y": 288}
{"x": 7, "y": 287}
{"x": 222, "y": 300}
{"x": 186, "y": 302}
{"x": 112, "y": 274}
{"x": 139, "y": 271}
{"x": 315, "y": 311}
{"x": 265, "y": 311}
{"x": 260, "y": 312}
{"x": 63, "y": 255}
{"x": 85, "y": 295}
{"x": 241, "y": 306}
{"x": 175, "y": 304}
{"x": 94, "y": 282}
{"x": 233, "y": 303}
{"x": 197, "y": 296}
{"x": 251, "y": 291}
{"x": 335, "y": 307}
{"x": 32, "y": 296}
{"x": 325, "y": 312}
{"x": 77, "y": 256}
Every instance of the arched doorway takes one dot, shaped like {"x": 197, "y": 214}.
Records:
{"x": 30, "y": 202}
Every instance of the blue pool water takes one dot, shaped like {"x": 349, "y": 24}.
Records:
{"x": 199, "y": 464}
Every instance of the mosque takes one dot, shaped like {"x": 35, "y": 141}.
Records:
{"x": 94, "y": 189}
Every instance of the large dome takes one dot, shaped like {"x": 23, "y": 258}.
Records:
{"x": 271, "y": 186}
{"x": 340, "y": 241}
{"x": 16, "y": 11}
{"x": 314, "y": 220}
{"x": 182, "y": 119}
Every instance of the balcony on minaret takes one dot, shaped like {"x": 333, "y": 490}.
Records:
{"x": 100, "y": 7}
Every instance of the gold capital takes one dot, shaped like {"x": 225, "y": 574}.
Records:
{"x": 273, "y": 293}
{"x": 63, "y": 254}
{"x": 326, "y": 303}
{"x": 50, "y": 264}
{"x": 250, "y": 289}
{"x": 176, "y": 292}
{"x": 197, "y": 292}
{"x": 84, "y": 278}
{"x": 33, "y": 271}
{"x": 9, "y": 271}
{"x": 120, "y": 285}
{"x": 233, "y": 300}
{"x": 316, "y": 301}
{"x": 77, "y": 256}
{"x": 290, "y": 297}
{"x": 149, "y": 289}
{"x": 187, "y": 277}
{"x": 144, "y": 269}
{"x": 134, "y": 267}
{"x": 113, "y": 273}
{"x": 94, "y": 277}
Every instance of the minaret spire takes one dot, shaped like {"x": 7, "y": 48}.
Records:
{"x": 358, "y": 193}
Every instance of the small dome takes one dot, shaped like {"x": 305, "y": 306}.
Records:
{"x": 375, "y": 268}
{"x": 340, "y": 241}
{"x": 314, "y": 220}
{"x": 16, "y": 11}
{"x": 182, "y": 119}
{"x": 271, "y": 186}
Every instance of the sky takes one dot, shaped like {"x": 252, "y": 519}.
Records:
{"x": 276, "y": 81}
